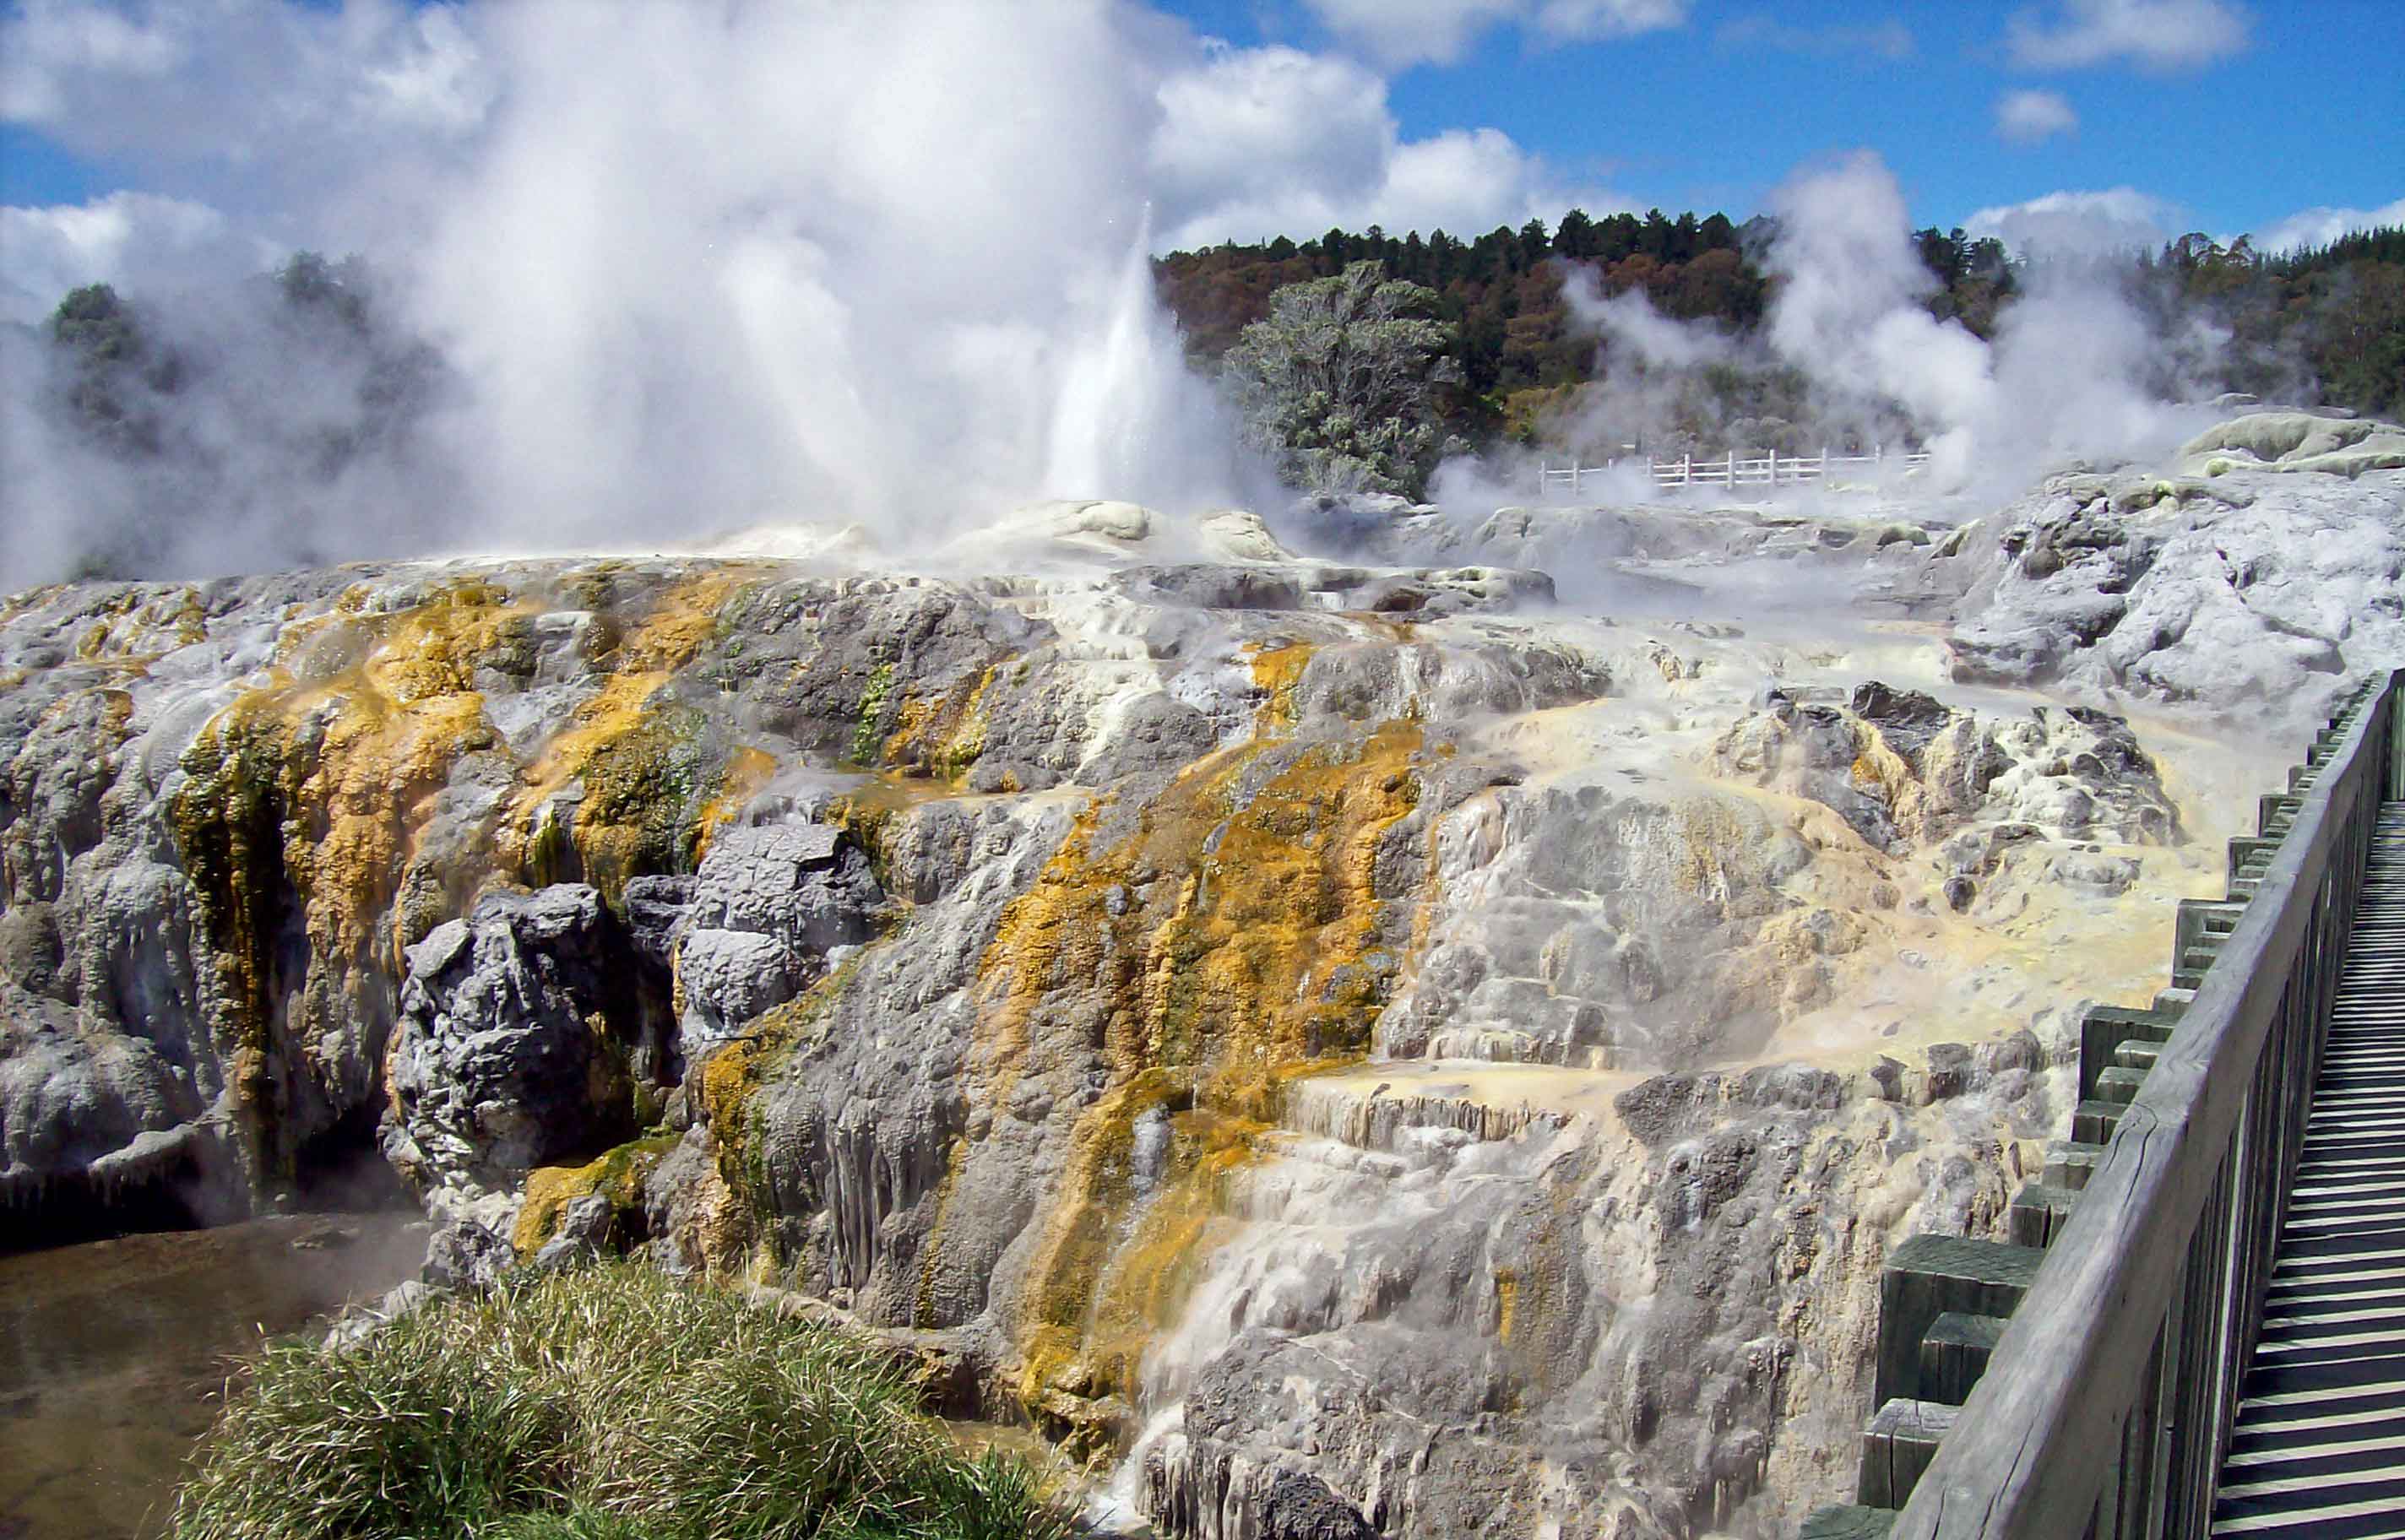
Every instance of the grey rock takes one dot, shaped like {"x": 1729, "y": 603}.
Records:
{"x": 464, "y": 1255}
{"x": 769, "y": 903}
{"x": 655, "y": 907}
{"x": 590, "y": 1226}
{"x": 2247, "y": 586}
{"x": 516, "y": 1025}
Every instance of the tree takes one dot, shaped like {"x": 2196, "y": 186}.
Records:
{"x": 112, "y": 369}
{"x": 1339, "y": 381}
{"x": 96, "y": 326}
{"x": 1575, "y": 237}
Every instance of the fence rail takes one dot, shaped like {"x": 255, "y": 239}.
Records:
{"x": 2107, "y": 1405}
{"x": 1731, "y": 469}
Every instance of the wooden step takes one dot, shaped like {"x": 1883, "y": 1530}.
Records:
{"x": 2092, "y": 1122}
{"x": 2104, "y": 1029}
{"x": 2040, "y": 1210}
{"x": 2117, "y": 1084}
{"x": 2069, "y": 1163}
{"x": 1955, "y": 1352}
{"x": 1899, "y": 1444}
{"x": 1930, "y": 1275}
{"x": 2133, "y": 1055}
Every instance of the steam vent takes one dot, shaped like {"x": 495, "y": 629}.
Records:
{"x": 1440, "y": 1041}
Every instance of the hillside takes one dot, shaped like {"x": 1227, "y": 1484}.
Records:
{"x": 2323, "y": 324}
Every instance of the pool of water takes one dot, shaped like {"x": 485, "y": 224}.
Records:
{"x": 114, "y": 1354}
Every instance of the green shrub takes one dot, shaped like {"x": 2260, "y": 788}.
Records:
{"x": 610, "y": 1403}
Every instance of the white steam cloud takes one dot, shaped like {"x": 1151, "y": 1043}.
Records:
{"x": 2075, "y": 371}
{"x": 2116, "y": 220}
{"x": 858, "y": 258}
{"x": 691, "y": 267}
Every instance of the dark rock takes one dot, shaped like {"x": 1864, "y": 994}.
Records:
{"x": 464, "y": 1255}
{"x": 2021, "y": 1051}
{"x": 655, "y": 906}
{"x": 1298, "y": 1507}
{"x": 1907, "y": 719}
{"x": 1949, "y": 1071}
{"x": 515, "y": 1026}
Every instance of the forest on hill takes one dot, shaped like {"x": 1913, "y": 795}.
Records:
{"x": 2325, "y": 325}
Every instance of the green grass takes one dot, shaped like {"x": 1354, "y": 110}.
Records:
{"x": 610, "y": 1404}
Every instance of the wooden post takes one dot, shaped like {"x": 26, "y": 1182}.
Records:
{"x": 1774, "y": 467}
{"x": 1686, "y": 467}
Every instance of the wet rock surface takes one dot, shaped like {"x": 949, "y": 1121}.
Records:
{"x": 1379, "y": 1045}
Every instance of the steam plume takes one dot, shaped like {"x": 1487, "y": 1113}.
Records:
{"x": 699, "y": 266}
{"x": 2075, "y": 369}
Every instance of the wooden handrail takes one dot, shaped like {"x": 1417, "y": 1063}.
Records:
{"x": 2107, "y": 1404}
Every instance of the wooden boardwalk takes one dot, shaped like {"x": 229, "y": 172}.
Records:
{"x": 2318, "y": 1448}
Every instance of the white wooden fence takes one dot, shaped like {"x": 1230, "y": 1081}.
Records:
{"x": 1731, "y": 469}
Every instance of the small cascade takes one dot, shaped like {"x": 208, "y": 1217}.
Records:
{"x": 1214, "y": 1493}
{"x": 1413, "y": 1124}
{"x": 1367, "y": 1160}
{"x": 1493, "y": 1043}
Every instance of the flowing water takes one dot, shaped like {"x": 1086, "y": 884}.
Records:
{"x": 113, "y": 1355}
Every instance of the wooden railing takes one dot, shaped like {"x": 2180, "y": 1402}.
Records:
{"x": 2106, "y": 1405}
{"x": 1731, "y": 469}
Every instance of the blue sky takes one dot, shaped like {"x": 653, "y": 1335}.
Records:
{"x": 159, "y": 141}
{"x": 2308, "y": 109}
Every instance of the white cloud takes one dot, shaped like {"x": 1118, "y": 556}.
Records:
{"x": 1397, "y": 32}
{"x": 2161, "y": 36}
{"x": 133, "y": 239}
{"x": 2028, "y": 117}
{"x": 1269, "y": 124}
{"x": 1889, "y": 39}
{"x": 253, "y": 103}
{"x": 1254, "y": 143}
{"x": 2319, "y": 227}
{"x": 51, "y": 41}
{"x": 2079, "y": 224}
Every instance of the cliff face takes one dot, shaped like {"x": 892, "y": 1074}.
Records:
{"x": 1361, "y": 1046}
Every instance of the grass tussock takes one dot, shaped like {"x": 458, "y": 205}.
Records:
{"x": 610, "y": 1404}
